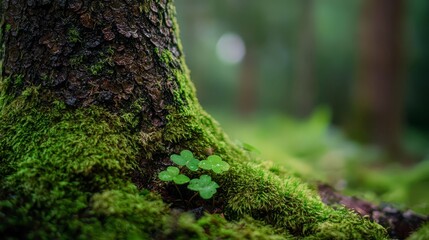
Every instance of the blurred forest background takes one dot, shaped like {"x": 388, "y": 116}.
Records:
{"x": 329, "y": 90}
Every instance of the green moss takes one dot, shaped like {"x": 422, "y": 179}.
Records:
{"x": 105, "y": 59}
{"x": 165, "y": 55}
{"x": 74, "y": 35}
{"x": 18, "y": 79}
{"x": 53, "y": 160}
{"x": 96, "y": 68}
{"x": 130, "y": 119}
{"x": 250, "y": 190}
{"x": 30, "y": 91}
{"x": 8, "y": 27}
{"x": 184, "y": 226}
{"x": 65, "y": 173}
{"x": 76, "y": 60}
{"x": 290, "y": 204}
{"x": 421, "y": 234}
{"x": 58, "y": 162}
{"x": 4, "y": 85}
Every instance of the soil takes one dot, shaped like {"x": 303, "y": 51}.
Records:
{"x": 399, "y": 224}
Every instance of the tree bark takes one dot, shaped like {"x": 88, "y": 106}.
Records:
{"x": 105, "y": 53}
{"x": 117, "y": 55}
{"x": 94, "y": 98}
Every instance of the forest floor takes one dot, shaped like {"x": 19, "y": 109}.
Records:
{"x": 359, "y": 177}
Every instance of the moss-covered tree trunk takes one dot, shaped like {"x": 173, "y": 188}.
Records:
{"x": 95, "y": 97}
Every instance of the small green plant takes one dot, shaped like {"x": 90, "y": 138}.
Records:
{"x": 215, "y": 164}
{"x": 74, "y": 35}
{"x": 8, "y": 27}
{"x": 173, "y": 174}
{"x": 204, "y": 185}
{"x": 105, "y": 59}
{"x": 186, "y": 158}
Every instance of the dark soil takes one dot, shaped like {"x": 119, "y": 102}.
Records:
{"x": 399, "y": 224}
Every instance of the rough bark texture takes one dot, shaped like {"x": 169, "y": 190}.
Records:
{"x": 94, "y": 52}
{"x": 123, "y": 56}
{"x": 94, "y": 98}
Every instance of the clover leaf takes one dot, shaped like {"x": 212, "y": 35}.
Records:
{"x": 172, "y": 174}
{"x": 215, "y": 164}
{"x": 204, "y": 185}
{"x": 186, "y": 158}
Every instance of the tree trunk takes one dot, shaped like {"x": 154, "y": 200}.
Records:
{"x": 378, "y": 102}
{"x": 304, "y": 84}
{"x": 247, "y": 89}
{"x": 94, "y": 98}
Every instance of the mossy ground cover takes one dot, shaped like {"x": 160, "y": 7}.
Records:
{"x": 315, "y": 150}
{"x": 65, "y": 173}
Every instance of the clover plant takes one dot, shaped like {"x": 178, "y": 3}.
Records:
{"x": 186, "y": 158}
{"x": 173, "y": 174}
{"x": 215, "y": 164}
{"x": 204, "y": 185}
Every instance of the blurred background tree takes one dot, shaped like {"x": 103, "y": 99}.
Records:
{"x": 364, "y": 59}
{"x": 378, "y": 103}
{"x": 325, "y": 89}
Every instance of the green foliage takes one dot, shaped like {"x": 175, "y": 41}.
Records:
{"x": 204, "y": 185}
{"x": 105, "y": 59}
{"x": 65, "y": 174}
{"x": 53, "y": 160}
{"x": 76, "y": 60}
{"x": 165, "y": 55}
{"x": 213, "y": 226}
{"x": 96, "y": 68}
{"x": 172, "y": 174}
{"x": 421, "y": 234}
{"x": 8, "y": 27}
{"x": 215, "y": 164}
{"x": 74, "y": 35}
{"x": 59, "y": 162}
{"x": 289, "y": 203}
{"x": 19, "y": 79}
{"x": 186, "y": 158}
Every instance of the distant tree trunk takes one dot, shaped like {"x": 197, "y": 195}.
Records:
{"x": 304, "y": 82}
{"x": 247, "y": 89}
{"x": 377, "y": 116}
